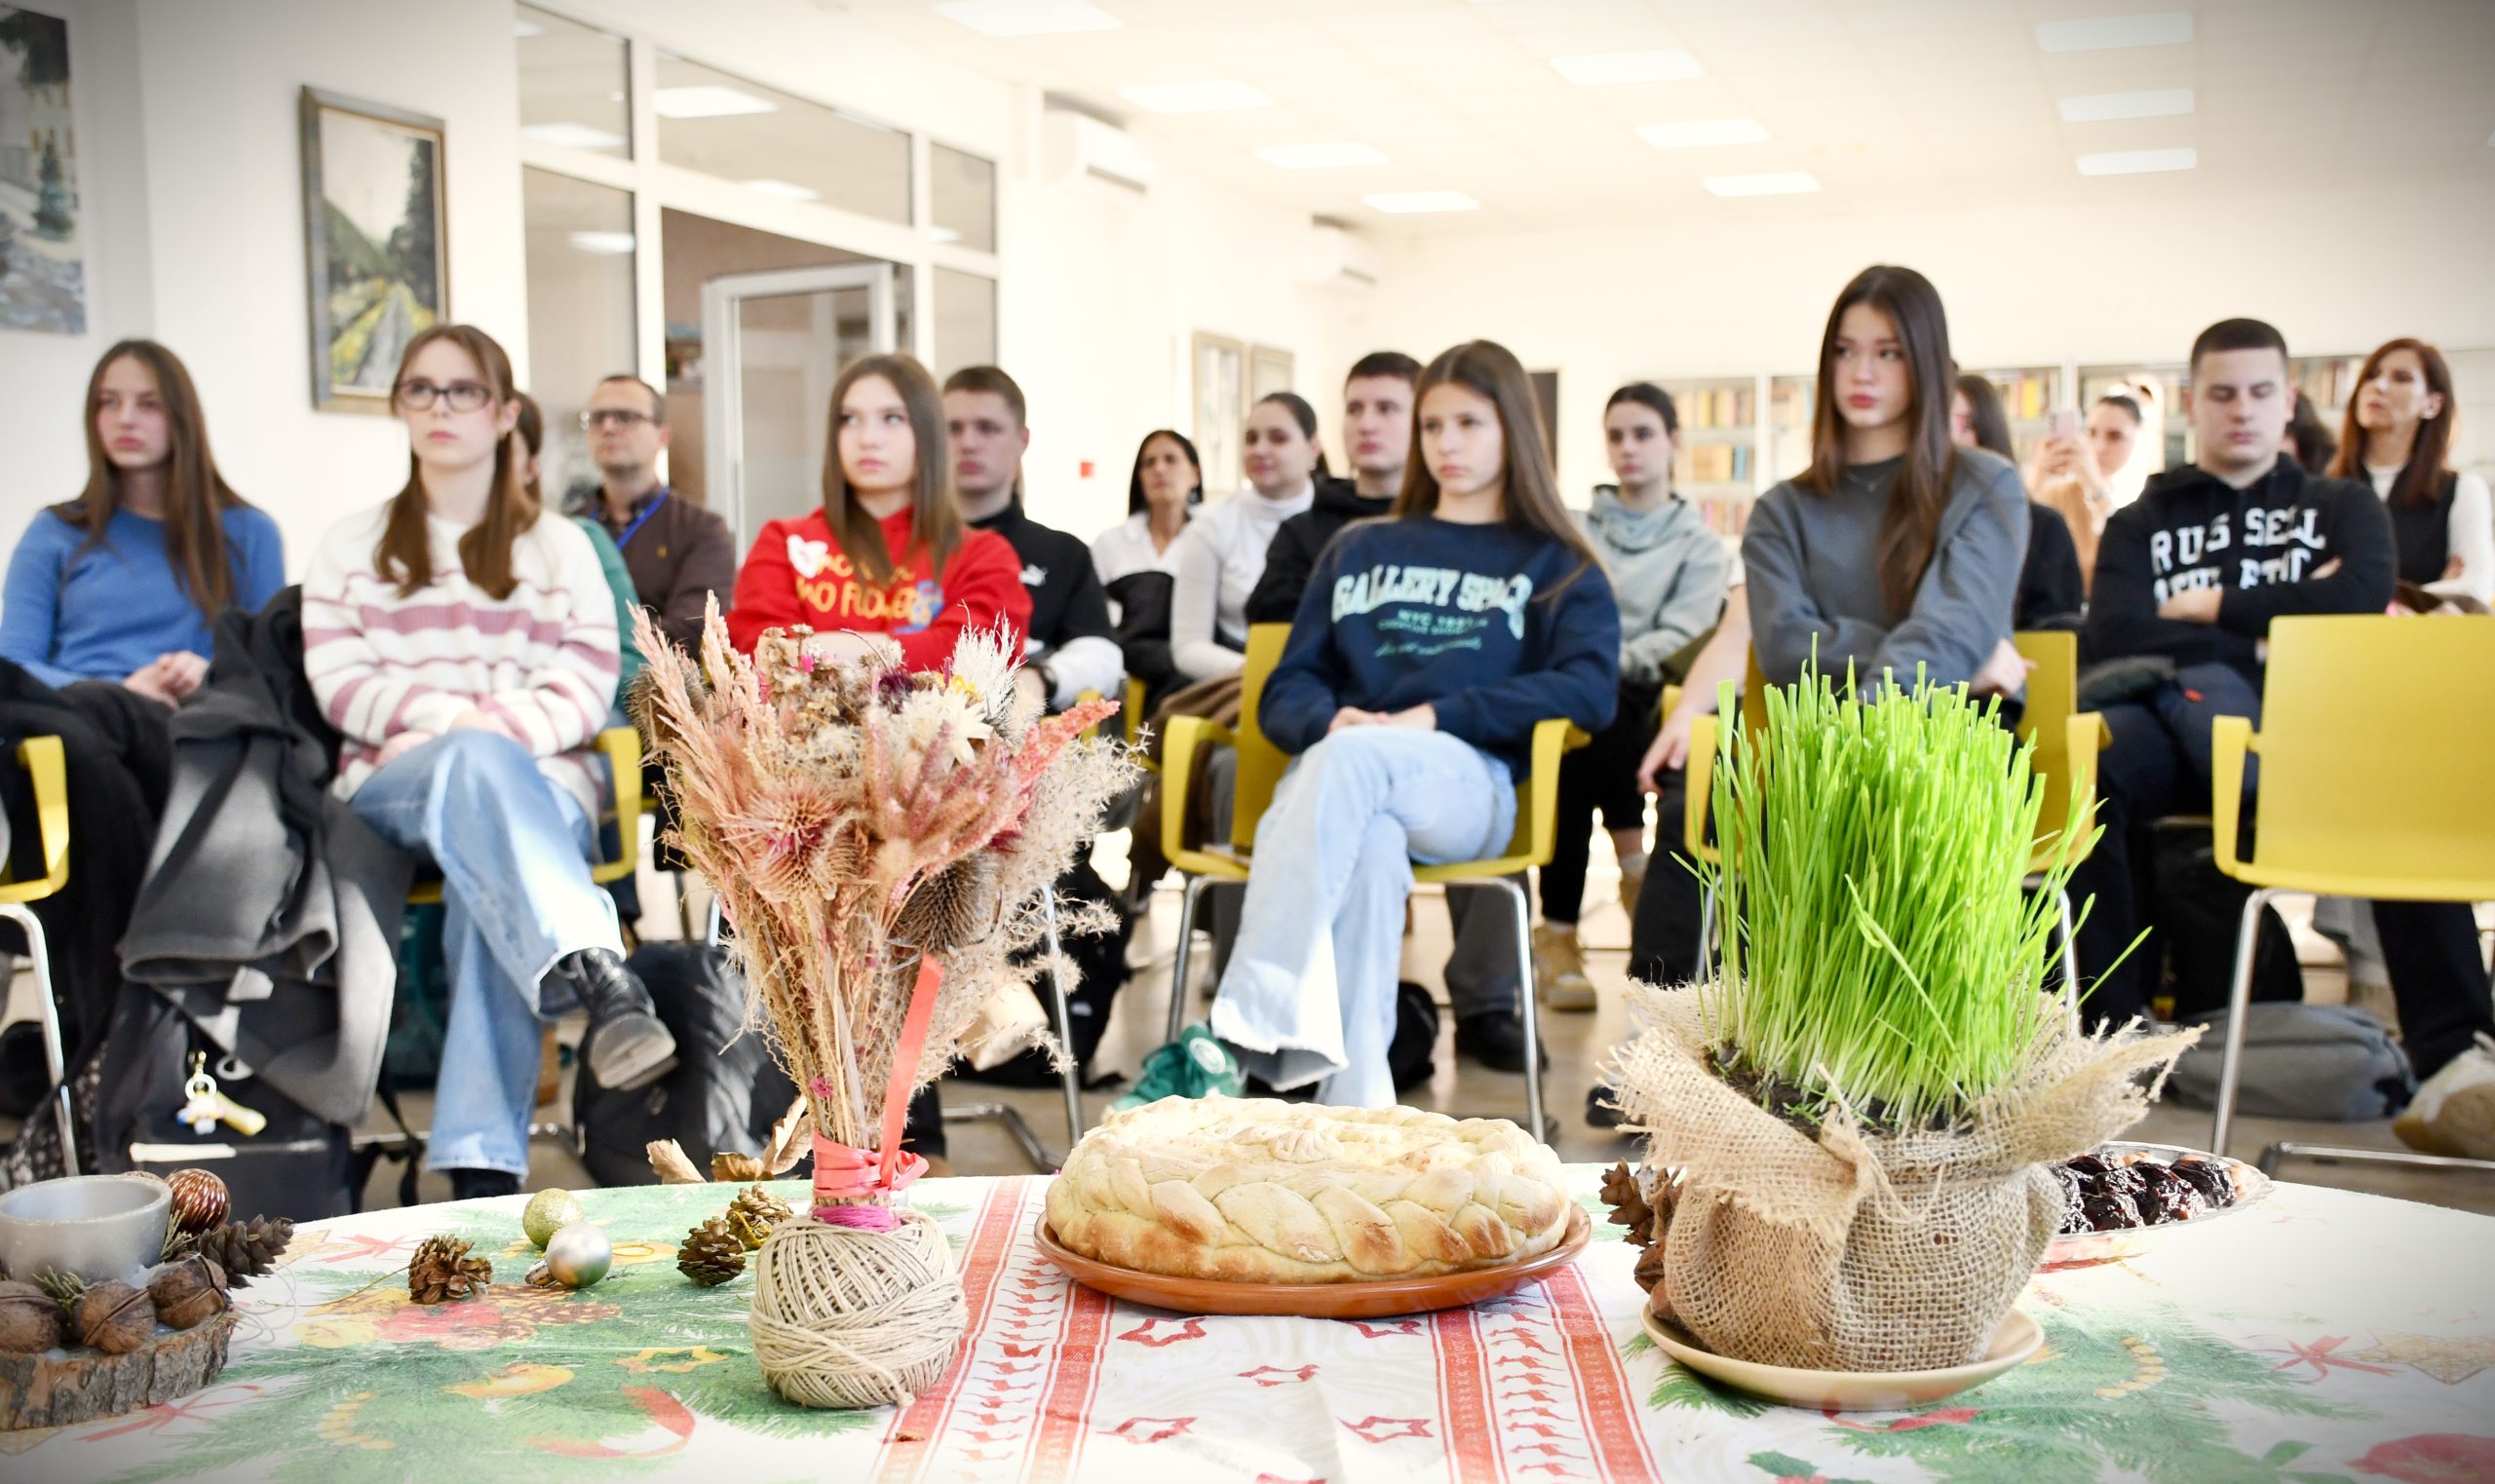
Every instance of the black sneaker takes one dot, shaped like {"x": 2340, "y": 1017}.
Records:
{"x": 1601, "y": 1112}
{"x": 1495, "y": 1039}
{"x": 480, "y": 1184}
{"x": 628, "y": 1046}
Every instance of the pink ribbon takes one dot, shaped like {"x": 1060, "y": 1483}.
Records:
{"x": 846, "y": 1174}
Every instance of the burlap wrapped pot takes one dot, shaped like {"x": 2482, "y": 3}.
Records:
{"x": 1860, "y": 1250}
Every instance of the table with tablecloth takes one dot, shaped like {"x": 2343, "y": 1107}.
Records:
{"x": 2321, "y": 1335}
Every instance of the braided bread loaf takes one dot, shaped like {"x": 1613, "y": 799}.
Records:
{"x": 1261, "y": 1191}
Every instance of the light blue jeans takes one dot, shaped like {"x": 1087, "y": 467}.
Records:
{"x": 1309, "y": 993}
{"x": 513, "y": 848}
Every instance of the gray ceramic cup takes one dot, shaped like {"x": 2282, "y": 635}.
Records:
{"x": 100, "y": 1227}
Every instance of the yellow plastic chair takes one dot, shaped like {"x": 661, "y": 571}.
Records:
{"x": 1133, "y": 720}
{"x": 2373, "y": 740}
{"x": 1260, "y": 771}
{"x": 2067, "y": 744}
{"x": 47, "y": 768}
{"x": 622, "y": 749}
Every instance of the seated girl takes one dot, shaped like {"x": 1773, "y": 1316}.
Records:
{"x": 122, "y": 583}
{"x": 464, "y": 645}
{"x": 1427, "y": 646}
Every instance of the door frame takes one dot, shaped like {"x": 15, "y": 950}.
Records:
{"x": 723, "y": 365}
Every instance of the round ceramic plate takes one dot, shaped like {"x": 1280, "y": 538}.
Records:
{"x": 2079, "y": 1250}
{"x": 2018, "y": 1337}
{"x": 1318, "y": 1301}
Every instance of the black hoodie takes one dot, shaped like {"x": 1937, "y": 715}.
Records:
{"x": 1292, "y": 556}
{"x": 2262, "y": 545}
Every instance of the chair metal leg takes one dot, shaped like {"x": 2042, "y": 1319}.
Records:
{"x": 2247, "y": 939}
{"x": 54, "y": 1056}
{"x": 2325, "y": 1153}
{"x": 1525, "y": 1005}
{"x": 1186, "y": 955}
{"x": 1071, "y": 1077}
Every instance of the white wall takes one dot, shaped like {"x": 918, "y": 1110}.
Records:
{"x": 43, "y": 377}
{"x": 2030, "y": 287}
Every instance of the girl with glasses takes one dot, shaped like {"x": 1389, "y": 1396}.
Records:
{"x": 465, "y": 647}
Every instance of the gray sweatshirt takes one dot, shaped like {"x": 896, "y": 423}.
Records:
{"x": 1814, "y": 567}
{"x": 1668, "y": 572}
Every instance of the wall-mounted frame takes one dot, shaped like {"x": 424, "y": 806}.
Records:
{"x": 1220, "y": 383}
{"x": 376, "y": 271}
{"x": 1269, "y": 370}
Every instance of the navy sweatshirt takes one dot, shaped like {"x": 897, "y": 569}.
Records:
{"x": 1482, "y": 622}
{"x": 2260, "y": 546}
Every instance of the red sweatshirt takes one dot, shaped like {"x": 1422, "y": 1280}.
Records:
{"x": 796, "y": 574}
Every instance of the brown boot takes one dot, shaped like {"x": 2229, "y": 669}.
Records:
{"x": 1559, "y": 968}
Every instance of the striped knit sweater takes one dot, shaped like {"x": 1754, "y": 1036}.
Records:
{"x": 542, "y": 660}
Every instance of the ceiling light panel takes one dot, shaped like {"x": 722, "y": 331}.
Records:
{"x": 2107, "y": 33}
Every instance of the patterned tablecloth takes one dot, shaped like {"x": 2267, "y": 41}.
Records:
{"x": 2325, "y": 1335}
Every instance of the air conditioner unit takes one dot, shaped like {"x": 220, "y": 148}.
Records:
{"x": 1338, "y": 256}
{"x": 1078, "y": 147}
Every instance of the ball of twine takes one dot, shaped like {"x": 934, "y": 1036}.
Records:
{"x": 843, "y": 1318}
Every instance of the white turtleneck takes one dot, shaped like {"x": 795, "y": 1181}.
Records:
{"x": 1220, "y": 556}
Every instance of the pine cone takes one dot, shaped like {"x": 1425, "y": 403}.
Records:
{"x": 735, "y": 1168}
{"x": 442, "y": 1269}
{"x": 710, "y": 1254}
{"x": 752, "y": 1215}
{"x": 245, "y": 1250}
{"x": 1629, "y": 1207}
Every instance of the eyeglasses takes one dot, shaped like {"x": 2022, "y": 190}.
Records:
{"x": 458, "y": 396}
{"x": 613, "y": 417}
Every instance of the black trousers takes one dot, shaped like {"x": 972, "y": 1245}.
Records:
{"x": 1601, "y": 776}
{"x": 1664, "y": 931}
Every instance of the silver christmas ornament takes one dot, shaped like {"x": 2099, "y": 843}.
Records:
{"x": 576, "y": 1256}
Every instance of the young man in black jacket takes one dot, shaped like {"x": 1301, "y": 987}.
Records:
{"x": 2193, "y": 573}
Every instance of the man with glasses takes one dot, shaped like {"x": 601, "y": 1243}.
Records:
{"x": 679, "y": 553}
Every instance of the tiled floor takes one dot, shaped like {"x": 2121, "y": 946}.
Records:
{"x": 1576, "y": 1042}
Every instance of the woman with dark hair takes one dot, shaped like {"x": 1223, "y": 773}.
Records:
{"x": 887, "y": 553}
{"x": 1223, "y": 552}
{"x": 2074, "y": 473}
{"x": 122, "y": 583}
{"x": 2052, "y": 592}
{"x": 2399, "y": 438}
{"x": 1895, "y": 551}
{"x": 1138, "y": 559}
{"x": 1428, "y": 645}
{"x": 465, "y": 647}
{"x": 1667, "y": 573}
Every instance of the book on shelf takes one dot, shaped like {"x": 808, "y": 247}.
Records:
{"x": 1714, "y": 407}
{"x": 1712, "y": 464}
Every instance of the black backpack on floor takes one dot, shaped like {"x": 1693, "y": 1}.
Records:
{"x": 705, "y": 1104}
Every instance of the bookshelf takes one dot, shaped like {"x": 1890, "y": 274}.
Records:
{"x": 1788, "y": 426}
{"x": 1715, "y": 464}
{"x": 2028, "y": 395}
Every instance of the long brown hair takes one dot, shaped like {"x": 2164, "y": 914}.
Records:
{"x": 404, "y": 555}
{"x": 1911, "y": 528}
{"x": 934, "y": 521}
{"x": 1530, "y": 490}
{"x": 196, "y": 496}
{"x": 2421, "y": 479}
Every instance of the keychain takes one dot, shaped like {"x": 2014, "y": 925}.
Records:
{"x": 204, "y": 1107}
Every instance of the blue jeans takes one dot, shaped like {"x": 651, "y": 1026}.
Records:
{"x": 1309, "y": 992}
{"x": 513, "y": 848}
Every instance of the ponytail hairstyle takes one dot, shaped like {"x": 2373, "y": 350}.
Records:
{"x": 2421, "y": 479}
{"x": 196, "y": 496}
{"x": 1304, "y": 415}
{"x": 1910, "y": 531}
{"x": 1530, "y": 490}
{"x": 404, "y": 555}
{"x": 934, "y": 521}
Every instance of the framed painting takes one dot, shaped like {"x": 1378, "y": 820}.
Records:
{"x": 1269, "y": 370}
{"x": 43, "y": 275}
{"x": 374, "y": 223}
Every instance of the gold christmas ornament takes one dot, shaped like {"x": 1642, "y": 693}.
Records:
{"x": 200, "y": 1199}
{"x": 548, "y": 1211}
